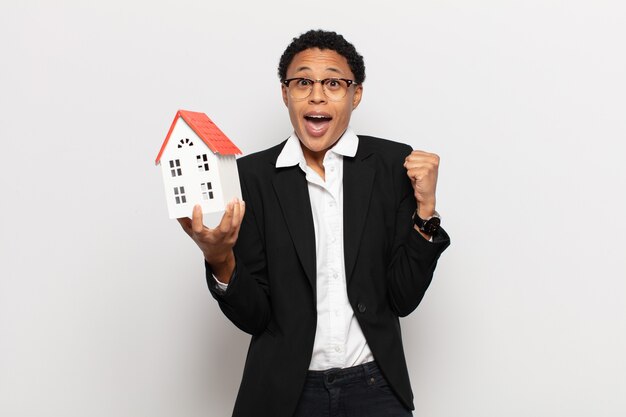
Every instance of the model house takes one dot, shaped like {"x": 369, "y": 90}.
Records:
{"x": 198, "y": 166}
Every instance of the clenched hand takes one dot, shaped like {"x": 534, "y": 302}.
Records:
{"x": 422, "y": 168}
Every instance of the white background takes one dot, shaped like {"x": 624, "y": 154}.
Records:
{"x": 104, "y": 310}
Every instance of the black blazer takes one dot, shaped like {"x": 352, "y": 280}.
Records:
{"x": 389, "y": 266}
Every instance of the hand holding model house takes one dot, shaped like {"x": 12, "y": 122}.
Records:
{"x": 217, "y": 244}
{"x": 200, "y": 176}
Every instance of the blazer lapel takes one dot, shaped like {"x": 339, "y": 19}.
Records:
{"x": 292, "y": 192}
{"x": 358, "y": 177}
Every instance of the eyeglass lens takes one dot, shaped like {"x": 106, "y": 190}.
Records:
{"x": 334, "y": 89}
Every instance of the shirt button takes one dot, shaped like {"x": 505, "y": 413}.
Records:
{"x": 337, "y": 348}
{"x": 361, "y": 307}
{"x": 335, "y": 276}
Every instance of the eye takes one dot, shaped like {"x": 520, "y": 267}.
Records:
{"x": 333, "y": 84}
{"x": 303, "y": 82}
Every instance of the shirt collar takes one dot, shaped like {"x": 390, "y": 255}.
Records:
{"x": 291, "y": 154}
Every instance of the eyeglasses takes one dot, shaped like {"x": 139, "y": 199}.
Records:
{"x": 334, "y": 88}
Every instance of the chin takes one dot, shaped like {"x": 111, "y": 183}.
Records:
{"x": 318, "y": 144}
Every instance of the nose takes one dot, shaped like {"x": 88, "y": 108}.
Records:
{"x": 317, "y": 94}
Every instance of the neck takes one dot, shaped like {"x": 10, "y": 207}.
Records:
{"x": 315, "y": 160}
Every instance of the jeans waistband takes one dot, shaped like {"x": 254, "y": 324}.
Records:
{"x": 336, "y": 376}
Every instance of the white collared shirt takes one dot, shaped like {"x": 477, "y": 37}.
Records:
{"x": 339, "y": 340}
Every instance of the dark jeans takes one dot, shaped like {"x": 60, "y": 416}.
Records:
{"x": 360, "y": 391}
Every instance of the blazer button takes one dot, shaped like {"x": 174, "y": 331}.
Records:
{"x": 361, "y": 307}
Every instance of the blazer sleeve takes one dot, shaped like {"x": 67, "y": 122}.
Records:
{"x": 246, "y": 300}
{"x": 414, "y": 258}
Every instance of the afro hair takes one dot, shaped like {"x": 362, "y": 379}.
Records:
{"x": 323, "y": 40}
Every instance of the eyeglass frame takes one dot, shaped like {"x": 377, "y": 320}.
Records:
{"x": 322, "y": 82}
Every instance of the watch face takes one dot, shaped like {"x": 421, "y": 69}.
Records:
{"x": 432, "y": 225}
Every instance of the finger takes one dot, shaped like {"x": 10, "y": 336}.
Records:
{"x": 419, "y": 155}
{"x": 196, "y": 220}
{"x": 417, "y": 152}
{"x": 226, "y": 221}
{"x": 185, "y": 223}
{"x": 418, "y": 165}
{"x": 415, "y": 163}
{"x": 237, "y": 224}
{"x": 431, "y": 165}
{"x": 431, "y": 160}
{"x": 235, "y": 219}
{"x": 418, "y": 172}
{"x": 413, "y": 155}
{"x": 243, "y": 211}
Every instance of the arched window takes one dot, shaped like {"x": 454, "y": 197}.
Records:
{"x": 184, "y": 142}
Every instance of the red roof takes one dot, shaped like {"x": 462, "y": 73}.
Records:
{"x": 210, "y": 134}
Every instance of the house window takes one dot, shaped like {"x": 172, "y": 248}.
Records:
{"x": 207, "y": 191}
{"x": 184, "y": 142}
{"x": 203, "y": 164}
{"x": 179, "y": 195}
{"x": 175, "y": 168}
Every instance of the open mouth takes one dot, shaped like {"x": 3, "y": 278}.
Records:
{"x": 317, "y": 123}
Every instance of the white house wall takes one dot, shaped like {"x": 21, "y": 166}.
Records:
{"x": 229, "y": 177}
{"x": 191, "y": 177}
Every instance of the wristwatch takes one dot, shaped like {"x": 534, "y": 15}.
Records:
{"x": 430, "y": 226}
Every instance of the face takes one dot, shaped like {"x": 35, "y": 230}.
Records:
{"x": 317, "y": 121}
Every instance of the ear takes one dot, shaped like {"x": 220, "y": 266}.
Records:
{"x": 356, "y": 98}
{"x": 284, "y": 91}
